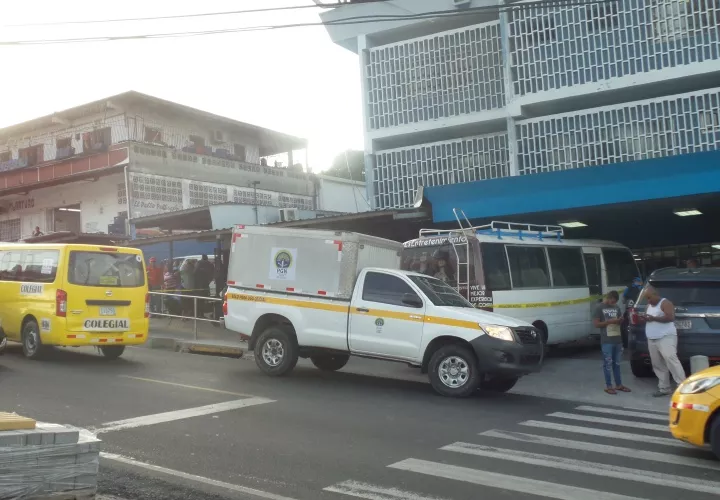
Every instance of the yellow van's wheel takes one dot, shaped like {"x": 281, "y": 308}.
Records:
{"x": 112, "y": 351}
{"x": 32, "y": 345}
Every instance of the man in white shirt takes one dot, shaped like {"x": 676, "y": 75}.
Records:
{"x": 662, "y": 341}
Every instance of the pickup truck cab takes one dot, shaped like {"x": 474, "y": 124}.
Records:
{"x": 391, "y": 315}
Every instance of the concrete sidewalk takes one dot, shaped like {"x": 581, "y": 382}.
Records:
{"x": 178, "y": 335}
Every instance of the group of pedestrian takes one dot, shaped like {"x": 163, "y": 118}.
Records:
{"x": 660, "y": 331}
{"x": 193, "y": 278}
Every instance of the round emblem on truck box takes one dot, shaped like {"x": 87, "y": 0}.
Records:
{"x": 283, "y": 259}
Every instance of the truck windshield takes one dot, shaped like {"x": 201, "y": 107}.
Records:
{"x": 439, "y": 292}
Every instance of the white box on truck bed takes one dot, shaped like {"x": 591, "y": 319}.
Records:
{"x": 306, "y": 261}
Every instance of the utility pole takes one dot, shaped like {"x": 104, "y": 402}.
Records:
{"x": 254, "y": 185}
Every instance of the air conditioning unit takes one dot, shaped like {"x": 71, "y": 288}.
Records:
{"x": 288, "y": 214}
{"x": 217, "y": 136}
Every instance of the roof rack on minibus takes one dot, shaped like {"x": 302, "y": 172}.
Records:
{"x": 501, "y": 229}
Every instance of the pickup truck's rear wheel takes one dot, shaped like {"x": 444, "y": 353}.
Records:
{"x": 453, "y": 371}
{"x": 330, "y": 362}
{"x": 499, "y": 384}
{"x": 276, "y": 352}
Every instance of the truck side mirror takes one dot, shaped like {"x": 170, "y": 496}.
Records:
{"x": 412, "y": 300}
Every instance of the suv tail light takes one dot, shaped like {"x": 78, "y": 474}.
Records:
{"x": 634, "y": 316}
{"x": 147, "y": 305}
{"x": 61, "y": 303}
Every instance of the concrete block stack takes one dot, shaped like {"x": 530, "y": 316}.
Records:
{"x": 48, "y": 462}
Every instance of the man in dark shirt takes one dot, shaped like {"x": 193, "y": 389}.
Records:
{"x": 608, "y": 318}
{"x": 204, "y": 274}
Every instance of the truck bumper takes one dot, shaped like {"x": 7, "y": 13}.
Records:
{"x": 505, "y": 358}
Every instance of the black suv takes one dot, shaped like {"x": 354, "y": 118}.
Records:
{"x": 695, "y": 293}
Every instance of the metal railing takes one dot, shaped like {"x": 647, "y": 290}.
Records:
{"x": 182, "y": 299}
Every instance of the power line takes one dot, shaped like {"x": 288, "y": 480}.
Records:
{"x": 350, "y": 20}
{"x": 186, "y": 16}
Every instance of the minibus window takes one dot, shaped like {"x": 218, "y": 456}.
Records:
{"x": 106, "y": 269}
{"x": 495, "y": 265}
{"x": 39, "y": 266}
{"x": 528, "y": 267}
{"x": 620, "y": 266}
{"x": 567, "y": 266}
{"x": 10, "y": 265}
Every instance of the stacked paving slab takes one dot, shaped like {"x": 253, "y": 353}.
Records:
{"x": 49, "y": 461}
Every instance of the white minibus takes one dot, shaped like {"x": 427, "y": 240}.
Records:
{"x": 526, "y": 271}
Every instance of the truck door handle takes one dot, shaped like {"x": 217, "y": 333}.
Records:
{"x": 362, "y": 310}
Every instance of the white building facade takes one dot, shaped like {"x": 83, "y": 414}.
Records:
{"x": 91, "y": 168}
{"x": 499, "y": 89}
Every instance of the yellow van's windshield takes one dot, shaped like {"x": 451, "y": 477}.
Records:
{"x": 108, "y": 269}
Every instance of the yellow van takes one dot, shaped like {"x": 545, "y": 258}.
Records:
{"x": 73, "y": 295}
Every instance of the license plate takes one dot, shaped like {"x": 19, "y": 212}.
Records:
{"x": 107, "y": 311}
{"x": 683, "y": 324}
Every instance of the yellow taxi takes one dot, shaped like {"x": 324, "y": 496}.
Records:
{"x": 695, "y": 410}
{"x": 73, "y": 295}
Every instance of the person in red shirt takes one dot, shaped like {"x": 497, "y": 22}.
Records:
{"x": 155, "y": 281}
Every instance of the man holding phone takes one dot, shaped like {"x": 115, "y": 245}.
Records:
{"x": 662, "y": 341}
{"x": 608, "y": 318}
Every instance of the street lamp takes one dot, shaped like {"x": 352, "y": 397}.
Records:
{"x": 254, "y": 185}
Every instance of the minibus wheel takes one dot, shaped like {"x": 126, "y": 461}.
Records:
{"x": 112, "y": 351}
{"x": 32, "y": 345}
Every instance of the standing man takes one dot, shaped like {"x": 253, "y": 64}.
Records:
{"x": 204, "y": 274}
{"x": 155, "y": 281}
{"x": 608, "y": 317}
{"x": 662, "y": 341}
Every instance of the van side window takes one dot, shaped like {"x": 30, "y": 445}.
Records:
{"x": 620, "y": 265}
{"x": 40, "y": 266}
{"x": 385, "y": 289}
{"x": 528, "y": 267}
{"x": 495, "y": 266}
{"x": 567, "y": 267}
{"x": 10, "y": 266}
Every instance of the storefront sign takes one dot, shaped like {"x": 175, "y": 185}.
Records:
{"x": 25, "y": 204}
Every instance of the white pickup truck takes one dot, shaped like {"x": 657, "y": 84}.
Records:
{"x": 328, "y": 295}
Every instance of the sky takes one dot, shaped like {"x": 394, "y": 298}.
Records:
{"x": 292, "y": 80}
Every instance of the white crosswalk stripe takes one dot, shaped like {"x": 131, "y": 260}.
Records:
{"x": 624, "y": 413}
{"x": 604, "y": 449}
{"x": 561, "y": 441}
{"x": 594, "y": 468}
{"x": 592, "y": 431}
{"x": 610, "y": 421}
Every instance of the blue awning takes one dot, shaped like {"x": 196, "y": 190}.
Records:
{"x": 653, "y": 179}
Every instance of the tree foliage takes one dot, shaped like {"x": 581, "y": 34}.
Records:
{"x": 355, "y": 160}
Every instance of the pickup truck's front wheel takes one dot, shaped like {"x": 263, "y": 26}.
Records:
{"x": 454, "y": 371}
{"x": 330, "y": 362}
{"x": 276, "y": 352}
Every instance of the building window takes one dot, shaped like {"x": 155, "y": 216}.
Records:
{"x": 198, "y": 142}
{"x": 602, "y": 16}
{"x": 10, "y": 230}
{"x": 153, "y": 135}
{"x": 33, "y": 155}
{"x": 64, "y": 142}
{"x": 240, "y": 152}
{"x": 97, "y": 140}
{"x": 5, "y": 156}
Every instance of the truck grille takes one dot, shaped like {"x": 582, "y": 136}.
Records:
{"x": 527, "y": 335}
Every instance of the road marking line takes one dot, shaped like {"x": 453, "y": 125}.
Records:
{"x": 603, "y": 448}
{"x": 591, "y": 431}
{"x": 186, "y": 386}
{"x": 585, "y": 467}
{"x": 506, "y": 482}
{"x": 625, "y": 413}
{"x": 192, "y": 477}
{"x": 170, "y": 416}
{"x": 372, "y": 492}
{"x": 611, "y": 421}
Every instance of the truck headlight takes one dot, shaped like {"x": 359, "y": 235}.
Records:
{"x": 700, "y": 385}
{"x": 499, "y": 332}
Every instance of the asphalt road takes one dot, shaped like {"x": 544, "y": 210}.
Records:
{"x": 185, "y": 426}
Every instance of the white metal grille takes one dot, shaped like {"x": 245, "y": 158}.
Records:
{"x": 289, "y": 201}
{"x": 10, "y": 230}
{"x": 399, "y": 172}
{"x": 156, "y": 189}
{"x": 557, "y": 47}
{"x": 247, "y": 197}
{"x": 675, "y": 125}
{"x": 449, "y": 74}
{"x": 121, "y": 194}
{"x": 203, "y": 194}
